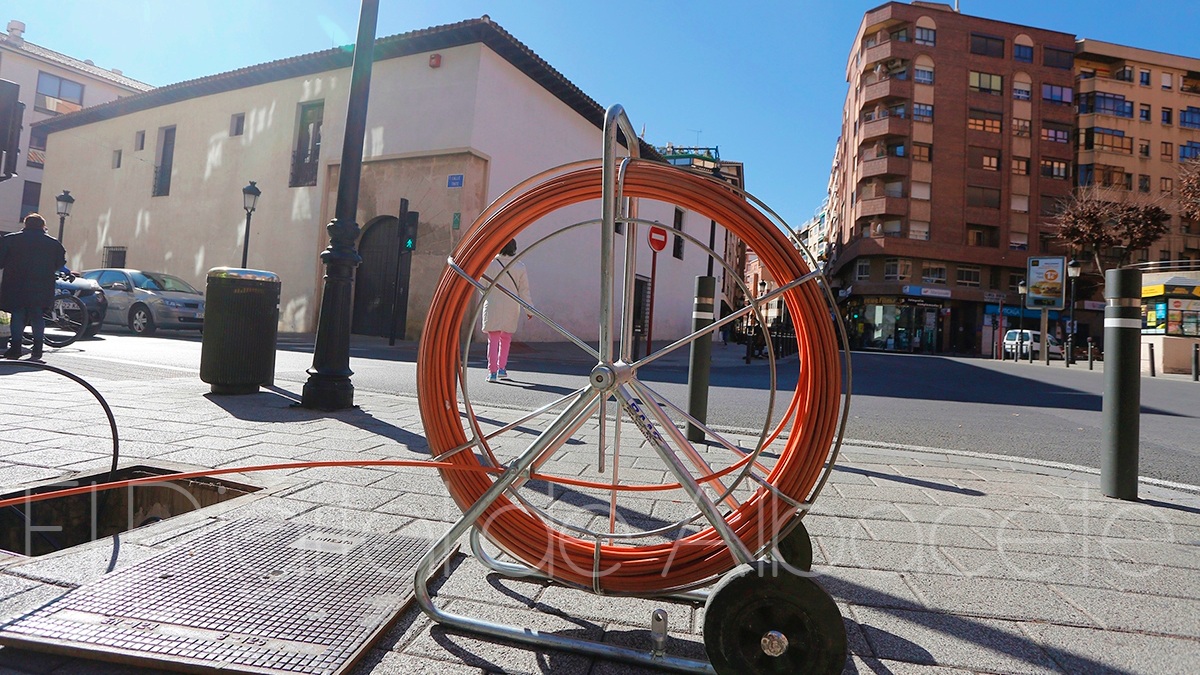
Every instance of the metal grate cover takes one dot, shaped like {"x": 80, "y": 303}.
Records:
{"x": 250, "y": 597}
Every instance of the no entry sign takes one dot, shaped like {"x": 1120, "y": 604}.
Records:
{"x": 657, "y": 238}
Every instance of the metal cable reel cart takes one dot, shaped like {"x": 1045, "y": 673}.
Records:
{"x": 741, "y": 504}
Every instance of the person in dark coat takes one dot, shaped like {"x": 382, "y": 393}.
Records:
{"x": 29, "y": 259}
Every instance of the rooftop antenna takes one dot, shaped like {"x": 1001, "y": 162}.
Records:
{"x": 697, "y": 131}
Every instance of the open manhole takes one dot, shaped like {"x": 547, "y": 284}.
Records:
{"x": 58, "y": 523}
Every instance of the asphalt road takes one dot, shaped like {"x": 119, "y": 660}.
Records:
{"x": 1019, "y": 409}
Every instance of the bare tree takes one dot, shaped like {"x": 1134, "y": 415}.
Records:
{"x": 1189, "y": 189}
{"x": 1096, "y": 219}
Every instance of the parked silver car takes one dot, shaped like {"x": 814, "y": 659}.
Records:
{"x": 147, "y": 301}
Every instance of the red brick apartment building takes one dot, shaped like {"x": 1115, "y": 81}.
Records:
{"x": 957, "y": 146}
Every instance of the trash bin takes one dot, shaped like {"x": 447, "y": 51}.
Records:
{"x": 241, "y": 322}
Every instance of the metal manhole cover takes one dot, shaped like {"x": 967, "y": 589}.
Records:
{"x": 250, "y": 597}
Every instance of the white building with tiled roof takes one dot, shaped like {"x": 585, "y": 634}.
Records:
{"x": 51, "y": 84}
{"x": 458, "y": 114}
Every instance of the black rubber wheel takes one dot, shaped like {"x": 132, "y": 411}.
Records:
{"x": 796, "y": 548}
{"x": 759, "y": 624}
{"x": 141, "y": 321}
{"x": 65, "y": 322}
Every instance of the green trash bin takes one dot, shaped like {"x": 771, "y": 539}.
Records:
{"x": 241, "y": 323}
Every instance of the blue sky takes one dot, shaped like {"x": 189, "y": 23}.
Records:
{"x": 762, "y": 80}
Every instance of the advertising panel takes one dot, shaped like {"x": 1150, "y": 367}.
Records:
{"x": 1047, "y": 283}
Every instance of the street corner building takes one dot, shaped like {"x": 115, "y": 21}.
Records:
{"x": 458, "y": 115}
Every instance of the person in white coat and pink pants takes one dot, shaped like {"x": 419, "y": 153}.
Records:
{"x": 502, "y": 314}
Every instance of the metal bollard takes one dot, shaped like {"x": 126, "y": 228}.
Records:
{"x": 1152, "y": 373}
{"x": 1196, "y": 362}
{"x": 1091, "y": 356}
{"x": 701, "y": 353}
{"x": 1122, "y": 384}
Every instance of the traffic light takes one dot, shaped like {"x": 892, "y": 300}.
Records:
{"x": 11, "y": 113}
{"x": 408, "y": 232}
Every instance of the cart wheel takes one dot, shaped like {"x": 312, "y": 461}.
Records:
{"x": 796, "y": 548}
{"x": 755, "y": 623}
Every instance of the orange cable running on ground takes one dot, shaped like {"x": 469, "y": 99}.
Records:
{"x": 649, "y": 569}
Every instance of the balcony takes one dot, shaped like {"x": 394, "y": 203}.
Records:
{"x": 304, "y": 169}
{"x": 892, "y": 87}
{"x": 886, "y": 51}
{"x": 882, "y": 206}
{"x": 887, "y": 126}
{"x": 884, "y": 166}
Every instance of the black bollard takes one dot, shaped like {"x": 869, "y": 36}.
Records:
{"x": 701, "y": 353}
{"x": 1122, "y": 383}
{"x": 1152, "y": 372}
{"x": 1091, "y": 356}
{"x": 1196, "y": 362}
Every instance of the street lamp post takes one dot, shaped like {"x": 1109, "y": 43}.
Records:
{"x": 1073, "y": 271}
{"x": 250, "y": 195}
{"x": 63, "y": 203}
{"x": 1022, "y": 289}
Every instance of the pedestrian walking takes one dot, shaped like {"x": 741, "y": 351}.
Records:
{"x": 29, "y": 259}
{"x": 501, "y": 313}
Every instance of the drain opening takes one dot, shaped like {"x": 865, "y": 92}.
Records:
{"x": 51, "y": 525}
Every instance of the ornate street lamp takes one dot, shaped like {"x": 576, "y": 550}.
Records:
{"x": 250, "y": 195}
{"x": 1074, "y": 269}
{"x": 63, "y": 203}
{"x": 1022, "y": 289}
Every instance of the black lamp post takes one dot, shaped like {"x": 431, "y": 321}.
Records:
{"x": 1073, "y": 271}
{"x": 250, "y": 195}
{"x": 1022, "y": 289}
{"x": 63, "y": 203}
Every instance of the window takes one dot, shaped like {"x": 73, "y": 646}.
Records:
{"x": 1143, "y": 148}
{"x": 897, "y": 269}
{"x": 984, "y": 120}
{"x": 1166, "y": 151}
{"x": 1105, "y": 104}
{"x": 1020, "y": 166}
{"x": 677, "y": 245}
{"x": 1166, "y": 81}
{"x": 1056, "y": 133}
{"x": 1166, "y": 115}
{"x": 1020, "y": 203}
{"x": 1108, "y": 140}
{"x": 1023, "y": 53}
{"x": 1020, "y": 127}
{"x": 986, "y": 83}
{"x": 306, "y": 154}
{"x": 900, "y": 35}
{"x": 1054, "y": 93}
{"x": 983, "y": 235}
{"x": 968, "y": 275}
{"x": 918, "y": 229}
{"x": 237, "y": 124}
{"x": 925, "y": 36}
{"x": 116, "y": 163}
{"x": 1056, "y": 169}
{"x": 1058, "y": 58}
{"x": 983, "y": 197}
{"x": 923, "y": 75}
{"x": 987, "y": 159}
{"x": 1144, "y": 78}
{"x": 163, "y": 162}
{"x": 1189, "y": 150}
{"x": 1166, "y": 185}
{"x": 1022, "y": 91}
{"x": 1050, "y": 205}
{"x": 921, "y": 189}
{"x": 1144, "y": 112}
{"x": 36, "y": 157}
{"x": 56, "y": 95}
{"x": 987, "y": 45}
{"x": 922, "y": 112}
{"x": 30, "y": 195}
{"x": 1143, "y": 183}
{"x": 1105, "y": 175}
{"x": 922, "y": 152}
{"x": 1189, "y": 117}
{"x": 114, "y": 256}
{"x": 1124, "y": 74}
{"x": 933, "y": 272}
{"x": 862, "y": 269}
{"x": 139, "y": 141}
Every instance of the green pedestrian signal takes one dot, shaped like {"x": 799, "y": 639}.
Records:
{"x": 408, "y": 232}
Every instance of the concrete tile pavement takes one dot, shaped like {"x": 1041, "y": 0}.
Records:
{"x": 940, "y": 561}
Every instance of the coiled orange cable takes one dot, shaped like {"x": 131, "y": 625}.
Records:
{"x": 648, "y": 569}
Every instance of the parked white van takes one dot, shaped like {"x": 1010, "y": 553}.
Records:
{"x": 1027, "y": 339}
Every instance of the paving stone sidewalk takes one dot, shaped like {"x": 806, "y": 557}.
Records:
{"x": 938, "y": 561}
